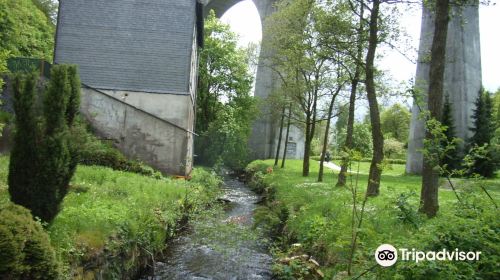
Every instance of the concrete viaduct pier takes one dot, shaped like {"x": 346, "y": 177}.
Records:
{"x": 462, "y": 76}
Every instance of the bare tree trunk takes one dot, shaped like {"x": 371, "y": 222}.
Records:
{"x": 307, "y": 145}
{"x": 276, "y": 158}
{"x": 310, "y": 128}
{"x": 350, "y": 128}
{"x": 287, "y": 134}
{"x": 377, "y": 136}
{"x": 430, "y": 177}
{"x": 325, "y": 139}
{"x": 352, "y": 100}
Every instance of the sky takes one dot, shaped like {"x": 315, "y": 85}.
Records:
{"x": 244, "y": 20}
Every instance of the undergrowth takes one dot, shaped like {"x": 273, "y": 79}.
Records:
{"x": 114, "y": 222}
{"x": 317, "y": 218}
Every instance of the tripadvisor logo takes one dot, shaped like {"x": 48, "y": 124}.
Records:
{"x": 387, "y": 255}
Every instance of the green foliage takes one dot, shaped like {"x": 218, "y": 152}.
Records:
{"x": 227, "y": 136}
{"x": 73, "y": 105}
{"x": 225, "y": 109}
{"x": 451, "y": 159}
{"x": 223, "y": 71}
{"x": 477, "y": 232}
{"x": 54, "y": 155}
{"x": 405, "y": 211}
{"x": 24, "y": 156}
{"x": 319, "y": 218}
{"x": 26, "y": 30}
{"x": 362, "y": 139}
{"x": 25, "y": 249}
{"x": 112, "y": 221}
{"x": 43, "y": 161}
{"x": 482, "y": 134}
{"x": 48, "y": 8}
{"x": 393, "y": 149}
{"x": 395, "y": 122}
{"x": 92, "y": 151}
{"x": 3, "y": 67}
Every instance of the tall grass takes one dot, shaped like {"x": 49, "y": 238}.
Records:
{"x": 320, "y": 214}
{"x": 109, "y": 213}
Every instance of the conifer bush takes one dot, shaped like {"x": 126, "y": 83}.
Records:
{"x": 43, "y": 161}
{"x": 451, "y": 157}
{"x": 482, "y": 134}
{"x": 23, "y": 157}
{"x": 25, "y": 249}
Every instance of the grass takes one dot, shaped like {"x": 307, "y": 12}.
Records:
{"x": 320, "y": 214}
{"x": 110, "y": 213}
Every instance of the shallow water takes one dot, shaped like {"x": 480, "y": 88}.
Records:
{"x": 223, "y": 246}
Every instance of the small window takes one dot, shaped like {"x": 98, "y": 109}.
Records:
{"x": 290, "y": 138}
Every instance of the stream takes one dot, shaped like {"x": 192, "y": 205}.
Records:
{"x": 222, "y": 246}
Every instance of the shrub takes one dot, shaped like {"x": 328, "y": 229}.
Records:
{"x": 25, "y": 250}
{"x": 42, "y": 161}
{"x": 393, "y": 149}
{"x": 92, "y": 151}
{"x": 22, "y": 171}
{"x": 478, "y": 233}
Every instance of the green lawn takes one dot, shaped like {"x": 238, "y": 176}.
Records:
{"x": 116, "y": 217}
{"x": 320, "y": 214}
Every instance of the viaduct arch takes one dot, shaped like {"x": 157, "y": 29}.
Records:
{"x": 263, "y": 141}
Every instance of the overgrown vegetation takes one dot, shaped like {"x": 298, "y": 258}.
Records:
{"x": 25, "y": 249}
{"x": 483, "y": 130}
{"x": 225, "y": 108}
{"x": 319, "y": 219}
{"x": 43, "y": 159}
{"x": 26, "y": 29}
{"x": 93, "y": 151}
{"x": 112, "y": 223}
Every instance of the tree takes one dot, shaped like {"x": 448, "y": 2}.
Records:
{"x": 396, "y": 122}
{"x": 25, "y": 30}
{"x": 224, "y": 107}
{"x": 3, "y": 67}
{"x": 71, "y": 114}
{"x": 327, "y": 131}
{"x": 48, "y": 8}
{"x": 377, "y": 136}
{"x": 451, "y": 159}
{"x": 362, "y": 141}
{"x": 430, "y": 174}
{"x": 288, "y": 124}
{"x": 482, "y": 134}
{"x": 355, "y": 80}
{"x": 24, "y": 155}
{"x": 300, "y": 61}
{"x": 42, "y": 162}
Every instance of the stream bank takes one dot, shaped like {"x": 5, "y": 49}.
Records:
{"x": 223, "y": 245}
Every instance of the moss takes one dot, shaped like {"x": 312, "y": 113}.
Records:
{"x": 25, "y": 250}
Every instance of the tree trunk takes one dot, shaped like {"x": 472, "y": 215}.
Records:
{"x": 286, "y": 137}
{"x": 325, "y": 140}
{"x": 377, "y": 136}
{"x": 350, "y": 129}
{"x": 276, "y": 158}
{"x": 310, "y": 127}
{"x": 352, "y": 101}
{"x": 430, "y": 176}
{"x": 307, "y": 147}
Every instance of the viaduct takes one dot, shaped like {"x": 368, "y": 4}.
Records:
{"x": 138, "y": 63}
{"x": 138, "y": 66}
{"x": 462, "y": 78}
